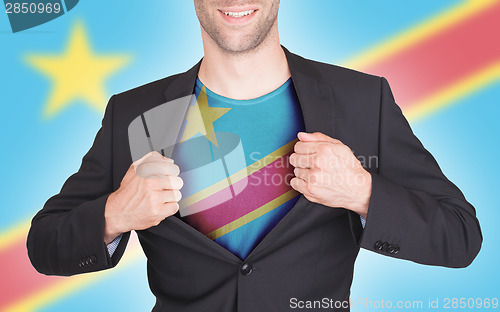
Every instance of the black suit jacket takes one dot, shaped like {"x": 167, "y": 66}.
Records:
{"x": 415, "y": 212}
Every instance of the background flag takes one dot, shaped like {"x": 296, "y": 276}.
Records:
{"x": 442, "y": 59}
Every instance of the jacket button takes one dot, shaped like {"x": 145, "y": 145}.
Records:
{"x": 83, "y": 263}
{"x": 390, "y": 249}
{"x": 396, "y": 249}
{"x": 384, "y": 246}
{"x": 378, "y": 245}
{"x": 246, "y": 269}
{"x": 93, "y": 260}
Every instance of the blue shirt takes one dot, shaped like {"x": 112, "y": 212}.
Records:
{"x": 236, "y": 182}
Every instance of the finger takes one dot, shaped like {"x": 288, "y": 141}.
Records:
{"x": 170, "y": 196}
{"x": 143, "y": 158}
{"x": 152, "y": 156}
{"x": 157, "y": 157}
{"x": 298, "y": 184}
{"x": 171, "y": 208}
{"x": 301, "y": 160}
{"x": 305, "y": 147}
{"x": 157, "y": 169}
{"x": 171, "y": 183}
{"x": 311, "y": 176}
{"x": 172, "y": 169}
{"x": 301, "y": 186}
{"x": 316, "y": 137}
{"x": 302, "y": 173}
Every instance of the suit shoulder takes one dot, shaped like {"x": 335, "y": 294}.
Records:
{"x": 338, "y": 74}
{"x": 151, "y": 90}
{"x": 129, "y": 104}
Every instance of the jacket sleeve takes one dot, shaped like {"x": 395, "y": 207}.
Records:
{"x": 415, "y": 212}
{"x": 67, "y": 236}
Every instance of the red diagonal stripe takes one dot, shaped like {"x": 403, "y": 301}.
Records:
{"x": 259, "y": 191}
{"x": 19, "y": 278}
{"x": 443, "y": 59}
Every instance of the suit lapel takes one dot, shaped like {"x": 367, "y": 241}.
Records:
{"x": 316, "y": 99}
{"x": 183, "y": 84}
{"x": 318, "y": 109}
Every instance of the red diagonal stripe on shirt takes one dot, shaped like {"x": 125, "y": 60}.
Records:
{"x": 259, "y": 191}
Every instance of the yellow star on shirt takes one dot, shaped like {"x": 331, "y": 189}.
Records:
{"x": 200, "y": 118}
{"x": 77, "y": 74}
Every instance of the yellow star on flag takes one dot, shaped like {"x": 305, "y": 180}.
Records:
{"x": 200, "y": 118}
{"x": 77, "y": 74}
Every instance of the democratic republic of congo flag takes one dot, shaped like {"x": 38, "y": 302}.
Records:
{"x": 233, "y": 156}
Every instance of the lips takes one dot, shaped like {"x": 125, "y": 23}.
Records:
{"x": 237, "y": 15}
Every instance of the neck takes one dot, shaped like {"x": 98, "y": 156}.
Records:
{"x": 244, "y": 76}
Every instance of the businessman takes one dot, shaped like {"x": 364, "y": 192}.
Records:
{"x": 264, "y": 243}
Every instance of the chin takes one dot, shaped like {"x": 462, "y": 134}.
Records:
{"x": 238, "y": 44}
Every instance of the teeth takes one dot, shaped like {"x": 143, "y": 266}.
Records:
{"x": 239, "y": 14}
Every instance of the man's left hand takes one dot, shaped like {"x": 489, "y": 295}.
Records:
{"x": 327, "y": 172}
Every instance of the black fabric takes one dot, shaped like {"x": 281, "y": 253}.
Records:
{"x": 415, "y": 212}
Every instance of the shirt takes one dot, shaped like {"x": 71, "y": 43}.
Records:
{"x": 233, "y": 156}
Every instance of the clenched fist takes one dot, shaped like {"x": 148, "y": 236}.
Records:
{"x": 327, "y": 172}
{"x": 149, "y": 192}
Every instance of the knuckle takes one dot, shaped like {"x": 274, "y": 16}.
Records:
{"x": 313, "y": 177}
{"x": 327, "y": 149}
{"x": 148, "y": 183}
{"x": 149, "y": 199}
{"x": 144, "y": 166}
{"x": 349, "y": 151}
{"x": 323, "y": 148}
{"x": 157, "y": 220}
{"x": 167, "y": 183}
{"x": 317, "y": 161}
{"x": 311, "y": 190}
{"x": 155, "y": 210}
{"x": 311, "y": 198}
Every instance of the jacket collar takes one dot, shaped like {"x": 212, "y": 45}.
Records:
{"x": 315, "y": 96}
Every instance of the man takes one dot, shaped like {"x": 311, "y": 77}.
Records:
{"x": 282, "y": 242}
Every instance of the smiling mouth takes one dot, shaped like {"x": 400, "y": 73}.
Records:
{"x": 238, "y": 14}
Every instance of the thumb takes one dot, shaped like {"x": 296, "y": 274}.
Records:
{"x": 152, "y": 156}
{"x": 144, "y": 157}
{"x": 316, "y": 137}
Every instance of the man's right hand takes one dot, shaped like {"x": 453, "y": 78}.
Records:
{"x": 148, "y": 193}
